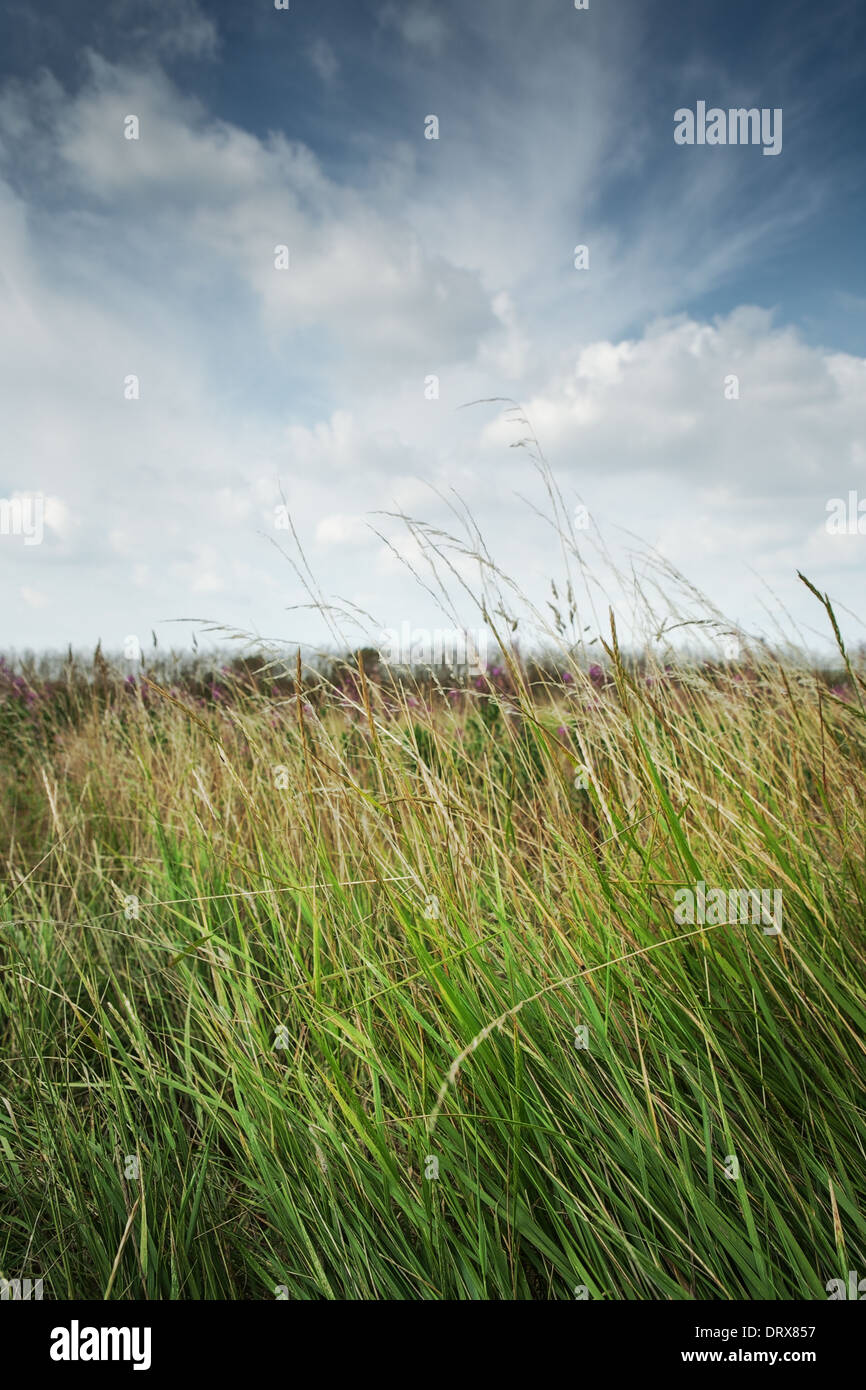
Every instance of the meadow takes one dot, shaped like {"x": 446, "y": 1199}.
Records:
{"x": 335, "y": 982}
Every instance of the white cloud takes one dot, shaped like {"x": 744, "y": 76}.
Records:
{"x": 343, "y": 530}
{"x": 418, "y": 25}
{"x": 359, "y": 274}
{"x": 32, "y": 597}
{"x": 660, "y": 403}
{"x": 173, "y": 28}
{"x": 324, "y": 60}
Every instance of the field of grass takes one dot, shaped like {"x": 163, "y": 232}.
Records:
{"x": 349, "y": 988}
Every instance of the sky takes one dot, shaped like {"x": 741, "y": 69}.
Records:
{"x": 281, "y": 299}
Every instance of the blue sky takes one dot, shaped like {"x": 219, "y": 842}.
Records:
{"x": 410, "y": 258}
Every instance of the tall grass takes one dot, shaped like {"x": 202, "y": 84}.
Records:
{"x": 294, "y": 981}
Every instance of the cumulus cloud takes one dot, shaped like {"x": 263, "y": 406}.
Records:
{"x": 188, "y": 188}
{"x": 739, "y": 399}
